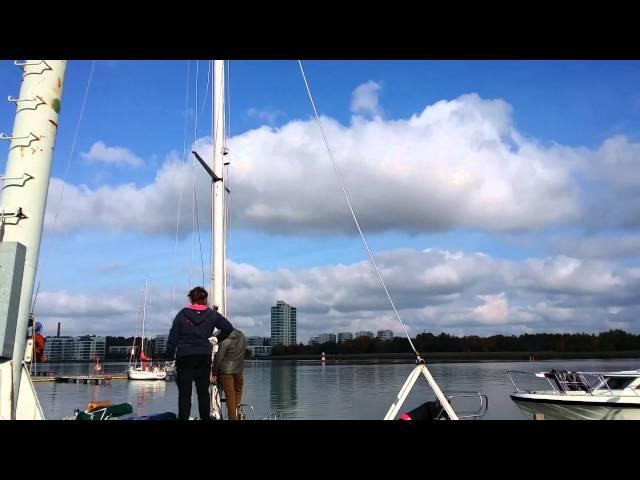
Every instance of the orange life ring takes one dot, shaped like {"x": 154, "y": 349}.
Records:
{"x": 98, "y": 367}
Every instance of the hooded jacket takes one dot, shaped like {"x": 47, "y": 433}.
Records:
{"x": 192, "y": 328}
{"x": 230, "y": 356}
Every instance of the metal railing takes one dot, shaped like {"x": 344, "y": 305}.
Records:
{"x": 274, "y": 416}
{"x": 563, "y": 381}
{"x": 240, "y": 415}
{"x": 478, "y": 413}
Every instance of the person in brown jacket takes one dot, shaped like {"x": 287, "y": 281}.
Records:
{"x": 228, "y": 365}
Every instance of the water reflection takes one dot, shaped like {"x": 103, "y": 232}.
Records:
{"x": 284, "y": 383}
{"x": 308, "y": 390}
{"x": 142, "y": 392}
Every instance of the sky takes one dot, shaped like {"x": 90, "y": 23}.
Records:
{"x": 497, "y": 196}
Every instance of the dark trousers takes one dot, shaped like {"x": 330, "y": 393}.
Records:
{"x": 189, "y": 369}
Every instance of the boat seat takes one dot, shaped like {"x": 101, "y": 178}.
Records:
{"x": 555, "y": 376}
{"x": 568, "y": 381}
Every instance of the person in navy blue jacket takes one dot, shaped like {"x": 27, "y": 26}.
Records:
{"x": 189, "y": 341}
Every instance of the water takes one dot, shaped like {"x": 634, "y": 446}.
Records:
{"x": 305, "y": 389}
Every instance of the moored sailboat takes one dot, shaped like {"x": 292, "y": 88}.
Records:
{"x": 145, "y": 370}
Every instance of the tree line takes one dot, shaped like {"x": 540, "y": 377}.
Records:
{"x": 610, "y": 341}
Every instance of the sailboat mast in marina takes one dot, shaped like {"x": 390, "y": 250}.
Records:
{"x": 146, "y": 370}
{"x": 218, "y": 193}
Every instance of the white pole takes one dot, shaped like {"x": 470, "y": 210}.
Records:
{"x": 408, "y": 385}
{"x": 144, "y": 315}
{"x": 436, "y": 389}
{"x": 30, "y": 156}
{"x": 218, "y": 191}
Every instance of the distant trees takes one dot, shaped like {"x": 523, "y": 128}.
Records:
{"x": 611, "y": 341}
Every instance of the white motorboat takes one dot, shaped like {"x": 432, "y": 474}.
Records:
{"x": 581, "y": 395}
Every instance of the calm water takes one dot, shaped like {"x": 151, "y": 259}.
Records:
{"x": 308, "y": 390}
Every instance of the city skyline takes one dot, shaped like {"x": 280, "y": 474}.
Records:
{"x": 341, "y": 337}
{"x": 163, "y": 337}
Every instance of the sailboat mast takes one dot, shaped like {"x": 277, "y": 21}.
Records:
{"x": 24, "y": 196}
{"x": 218, "y": 192}
{"x": 144, "y": 315}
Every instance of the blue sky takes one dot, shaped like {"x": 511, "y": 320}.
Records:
{"x": 575, "y": 123}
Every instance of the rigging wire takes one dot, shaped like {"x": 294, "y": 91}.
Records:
{"x": 184, "y": 162}
{"x": 195, "y": 216}
{"x": 66, "y": 173}
{"x": 353, "y": 213}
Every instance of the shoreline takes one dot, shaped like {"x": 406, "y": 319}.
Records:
{"x": 465, "y": 356}
{"x": 429, "y": 356}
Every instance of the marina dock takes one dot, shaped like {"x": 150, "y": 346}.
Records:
{"x": 85, "y": 379}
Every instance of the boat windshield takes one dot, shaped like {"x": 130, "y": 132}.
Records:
{"x": 618, "y": 383}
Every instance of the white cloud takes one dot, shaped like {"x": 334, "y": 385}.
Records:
{"x": 434, "y": 290}
{"x": 571, "y": 275}
{"x": 269, "y": 115}
{"x": 67, "y": 304}
{"x": 618, "y": 160}
{"x": 598, "y": 247}
{"x": 495, "y": 308}
{"x": 457, "y": 164}
{"x": 99, "y": 152}
{"x": 364, "y": 99}
{"x": 150, "y": 209}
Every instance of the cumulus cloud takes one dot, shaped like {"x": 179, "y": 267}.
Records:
{"x": 618, "y": 160}
{"x": 364, "y": 99}
{"x": 611, "y": 184}
{"x": 101, "y": 153}
{"x": 151, "y": 209}
{"x": 571, "y": 275}
{"x": 456, "y": 164}
{"x": 622, "y": 246}
{"x": 434, "y": 290}
{"x": 495, "y": 309}
{"x": 68, "y": 304}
